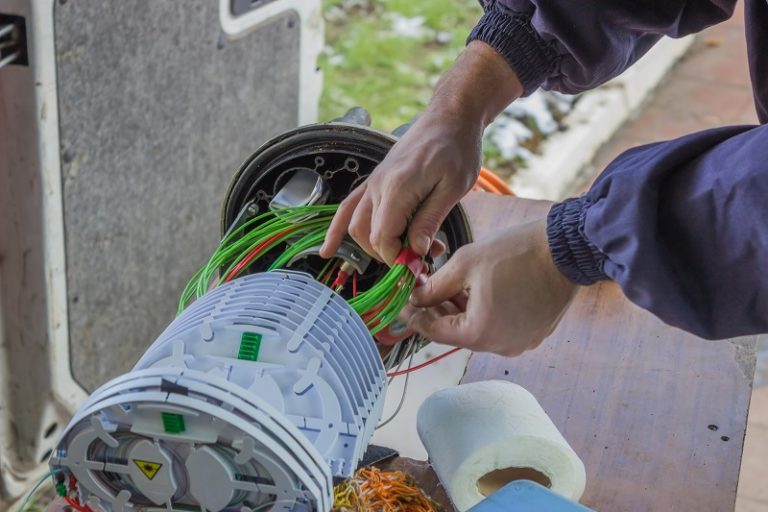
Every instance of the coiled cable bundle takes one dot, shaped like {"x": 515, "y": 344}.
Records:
{"x": 283, "y": 236}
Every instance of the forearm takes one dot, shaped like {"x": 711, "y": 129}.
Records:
{"x": 477, "y": 88}
{"x": 575, "y": 46}
{"x": 680, "y": 225}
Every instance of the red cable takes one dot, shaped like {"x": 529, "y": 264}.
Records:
{"x": 75, "y": 504}
{"x": 424, "y": 364}
{"x": 354, "y": 284}
{"x": 254, "y": 253}
{"x": 371, "y": 313}
{"x": 341, "y": 279}
{"x": 330, "y": 272}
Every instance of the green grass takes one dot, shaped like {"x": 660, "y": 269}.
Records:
{"x": 391, "y": 75}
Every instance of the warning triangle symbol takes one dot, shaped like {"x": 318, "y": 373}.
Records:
{"x": 149, "y": 469}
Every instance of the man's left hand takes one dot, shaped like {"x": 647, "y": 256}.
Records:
{"x": 503, "y": 294}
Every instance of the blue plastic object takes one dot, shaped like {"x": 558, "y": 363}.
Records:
{"x": 527, "y": 496}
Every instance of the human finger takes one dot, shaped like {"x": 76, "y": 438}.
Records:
{"x": 360, "y": 226}
{"x": 340, "y": 223}
{"x": 447, "y": 282}
{"x": 389, "y": 224}
{"x": 429, "y": 215}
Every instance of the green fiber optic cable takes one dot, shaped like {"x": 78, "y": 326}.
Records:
{"x": 395, "y": 286}
{"x": 325, "y": 268}
{"x": 311, "y": 239}
{"x": 231, "y": 250}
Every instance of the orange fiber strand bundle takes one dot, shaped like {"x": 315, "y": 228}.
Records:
{"x": 373, "y": 490}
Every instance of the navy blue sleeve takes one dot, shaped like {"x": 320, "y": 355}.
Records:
{"x": 571, "y": 46}
{"x": 682, "y": 226}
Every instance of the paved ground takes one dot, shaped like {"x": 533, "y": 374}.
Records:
{"x": 708, "y": 88}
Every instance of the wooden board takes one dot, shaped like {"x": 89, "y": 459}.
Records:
{"x": 657, "y": 415}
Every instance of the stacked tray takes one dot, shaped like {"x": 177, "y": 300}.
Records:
{"x": 277, "y": 385}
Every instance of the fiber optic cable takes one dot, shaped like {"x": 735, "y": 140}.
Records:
{"x": 300, "y": 228}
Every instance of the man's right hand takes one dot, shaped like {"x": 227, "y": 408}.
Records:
{"x": 431, "y": 168}
{"x": 425, "y": 174}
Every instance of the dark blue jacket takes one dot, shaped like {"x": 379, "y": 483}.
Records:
{"x": 681, "y": 225}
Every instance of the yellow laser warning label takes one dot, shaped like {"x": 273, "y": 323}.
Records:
{"x": 149, "y": 469}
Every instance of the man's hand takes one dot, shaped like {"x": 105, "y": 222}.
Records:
{"x": 432, "y": 166}
{"x": 427, "y": 172}
{"x": 503, "y": 294}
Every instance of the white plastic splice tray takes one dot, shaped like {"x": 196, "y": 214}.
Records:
{"x": 254, "y": 397}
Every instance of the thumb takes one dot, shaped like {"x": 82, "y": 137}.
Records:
{"x": 429, "y": 215}
{"x": 443, "y": 285}
{"x": 340, "y": 222}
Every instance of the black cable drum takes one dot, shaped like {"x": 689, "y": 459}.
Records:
{"x": 339, "y": 144}
{"x": 344, "y": 152}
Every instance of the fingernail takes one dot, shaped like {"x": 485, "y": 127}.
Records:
{"x": 425, "y": 242}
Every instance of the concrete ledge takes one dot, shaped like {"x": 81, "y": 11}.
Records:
{"x": 565, "y": 156}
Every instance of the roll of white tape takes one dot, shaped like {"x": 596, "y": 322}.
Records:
{"x": 483, "y": 435}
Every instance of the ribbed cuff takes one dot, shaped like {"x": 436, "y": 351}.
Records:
{"x": 576, "y": 257}
{"x": 514, "y": 38}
